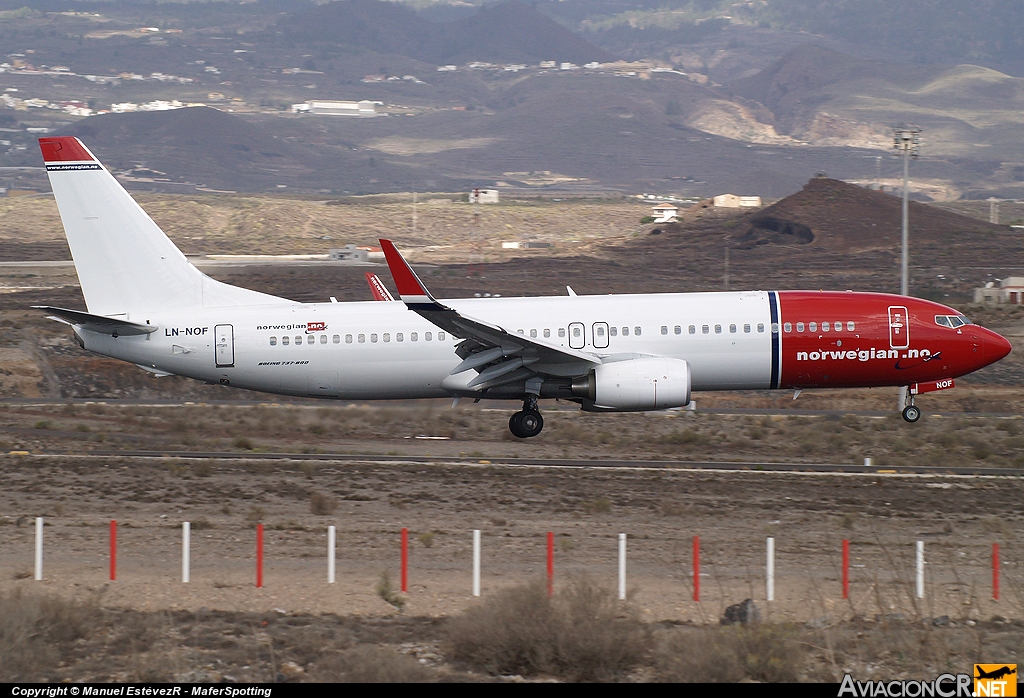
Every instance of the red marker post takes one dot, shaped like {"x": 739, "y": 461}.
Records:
{"x": 113, "y": 550}
{"x": 995, "y": 571}
{"x": 551, "y": 563}
{"x": 259, "y": 556}
{"x": 405, "y": 560}
{"x": 846, "y": 569}
{"x": 696, "y": 568}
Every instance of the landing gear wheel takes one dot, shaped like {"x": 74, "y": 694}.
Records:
{"x": 530, "y": 423}
{"x": 911, "y": 413}
{"x": 525, "y": 424}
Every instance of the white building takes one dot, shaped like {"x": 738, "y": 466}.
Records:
{"x": 483, "y": 196}
{"x": 733, "y": 201}
{"x": 362, "y": 108}
{"x": 1010, "y": 290}
{"x": 665, "y": 213}
{"x": 350, "y": 254}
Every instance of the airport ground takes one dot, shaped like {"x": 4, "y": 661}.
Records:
{"x": 84, "y": 421}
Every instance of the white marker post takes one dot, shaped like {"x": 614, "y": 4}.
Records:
{"x": 476, "y": 562}
{"x": 920, "y": 569}
{"x": 186, "y": 545}
{"x": 39, "y": 548}
{"x": 330, "y": 554}
{"x": 622, "y": 567}
{"x": 770, "y": 571}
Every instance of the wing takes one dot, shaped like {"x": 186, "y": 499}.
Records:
{"x": 379, "y": 290}
{"x": 500, "y": 357}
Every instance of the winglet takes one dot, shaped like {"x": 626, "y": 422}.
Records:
{"x": 379, "y": 290}
{"x": 64, "y": 149}
{"x": 410, "y": 288}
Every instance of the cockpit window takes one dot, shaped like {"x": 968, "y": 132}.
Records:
{"x": 952, "y": 321}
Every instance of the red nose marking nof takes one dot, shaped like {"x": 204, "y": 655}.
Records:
{"x": 63, "y": 149}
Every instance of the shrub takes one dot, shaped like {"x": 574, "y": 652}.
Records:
{"x": 583, "y": 634}
{"x": 387, "y": 592}
{"x": 427, "y": 539}
{"x": 371, "y": 664}
{"x": 32, "y": 630}
{"x": 759, "y": 652}
{"x": 243, "y": 443}
{"x": 321, "y": 504}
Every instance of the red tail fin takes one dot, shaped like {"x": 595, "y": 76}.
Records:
{"x": 380, "y": 291}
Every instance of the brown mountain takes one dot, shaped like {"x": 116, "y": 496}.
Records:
{"x": 510, "y": 32}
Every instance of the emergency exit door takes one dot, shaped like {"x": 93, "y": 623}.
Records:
{"x": 225, "y": 337}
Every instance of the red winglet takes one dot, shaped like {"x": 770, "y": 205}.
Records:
{"x": 380, "y": 291}
{"x": 409, "y": 286}
{"x": 64, "y": 149}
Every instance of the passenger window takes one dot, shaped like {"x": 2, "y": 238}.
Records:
{"x": 362, "y": 339}
{"x": 838, "y": 326}
{"x": 599, "y": 331}
{"x": 561, "y": 331}
{"x": 787, "y": 327}
{"x": 679, "y": 329}
{"x": 705, "y": 329}
{"x": 718, "y": 329}
{"x": 399, "y": 337}
{"x": 273, "y": 341}
{"x": 732, "y": 329}
{"x": 323, "y": 339}
{"x": 636, "y": 331}
{"x": 799, "y": 327}
{"x": 348, "y": 339}
{"x": 427, "y": 336}
{"x": 775, "y": 328}
{"x": 692, "y": 329}
{"x": 533, "y": 334}
{"x": 337, "y": 339}
{"x": 760, "y": 327}
{"x": 813, "y": 327}
{"x": 664, "y": 329}
{"x": 387, "y": 336}
{"x": 517, "y": 332}
{"x": 285, "y": 340}
{"x": 373, "y": 337}
{"x": 440, "y": 336}
{"x": 614, "y": 331}
{"x": 547, "y": 334}
{"x": 310, "y": 339}
{"x": 746, "y": 328}
{"x": 824, "y": 327}
{"x": 414, "y": 337}
{"x": 850, "y": 327}
{"x": 298, "y": 339}
{"x": 577, "y": 332}
{"x": 625, "y": 331}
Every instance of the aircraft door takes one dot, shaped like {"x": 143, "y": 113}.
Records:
{"x": 600, "y": 335}
{"x": 899, "y": 327}
{"x": 225, "y": 338}
{"x": 577, "y": 335}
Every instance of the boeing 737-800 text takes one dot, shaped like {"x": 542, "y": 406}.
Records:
{"x": 149, "y": 305}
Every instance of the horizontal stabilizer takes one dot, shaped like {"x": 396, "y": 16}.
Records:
{"x": 97, "y": 323}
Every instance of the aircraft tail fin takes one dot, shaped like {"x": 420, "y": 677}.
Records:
{"x": 126, "y": 264}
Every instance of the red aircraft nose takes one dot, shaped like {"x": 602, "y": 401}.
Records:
{"x": 995, "y": 346}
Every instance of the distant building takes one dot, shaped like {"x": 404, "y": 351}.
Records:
{"x": 447, "y": 68}
{"x": 363, "y": 108}
{"x": 1010, "y": 290}
{"x": 547, "y": 64}
{"x": 733, "y": 201}
{"x": 350, "y": 254}
{"x": 483, "y": 196}
{"x": 665, "y": 213}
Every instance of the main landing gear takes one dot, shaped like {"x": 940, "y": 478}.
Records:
{"x": 527, "y": 422}
{"x": 911, "y": 413}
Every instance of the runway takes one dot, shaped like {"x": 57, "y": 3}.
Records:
{"x": 593, "y": 464}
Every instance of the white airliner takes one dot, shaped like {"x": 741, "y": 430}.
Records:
{"x": 149, "y": 305}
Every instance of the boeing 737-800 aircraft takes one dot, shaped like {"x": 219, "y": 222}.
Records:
{"x": 149, "y": 305}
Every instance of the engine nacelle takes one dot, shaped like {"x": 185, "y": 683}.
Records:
{"x": 637, "y": 384}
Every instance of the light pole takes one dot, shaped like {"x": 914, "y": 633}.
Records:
{"x": 906, "y": 139}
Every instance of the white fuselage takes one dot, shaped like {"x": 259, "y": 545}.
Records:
{"x": 383, "y": 350}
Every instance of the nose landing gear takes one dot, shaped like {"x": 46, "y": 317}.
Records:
{"x": 911, "y": 413}
{"x": 527, "y": 422}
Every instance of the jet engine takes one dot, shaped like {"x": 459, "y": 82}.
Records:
{"x": 649, "y": 383}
